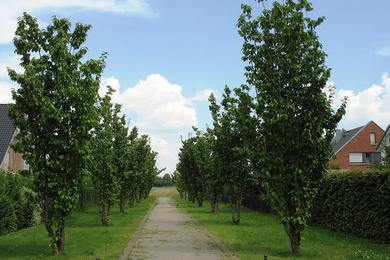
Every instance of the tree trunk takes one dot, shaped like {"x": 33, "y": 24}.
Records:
{"x": 45, "y": 204}
{"x": 47, "y": 214}
{"x": 235, "y": 205}
{"x": 104, "y": 211}
{"x": 61, "y": 242}
{"x": 108, "y": 212}
{"x": 214, "y": 204}
{"x": 131, "y": 201}
{"x": 295, "y": 237}
{"x": 239, "y": 199}
{"x": 122, "y": 203}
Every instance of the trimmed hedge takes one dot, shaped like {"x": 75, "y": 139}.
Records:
{"x": 355, "y": 202}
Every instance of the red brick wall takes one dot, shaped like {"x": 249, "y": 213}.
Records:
{"x": 359, "y": 144}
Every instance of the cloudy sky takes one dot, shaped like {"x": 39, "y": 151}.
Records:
{"x": 167, "y": 56}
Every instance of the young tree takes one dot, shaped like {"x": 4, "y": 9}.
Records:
{"x": 189, "y": 170}
{"x": 126, "y": 177}
{"x": 230, "y": 157}
{"x": 54, "y": 111}
{"x": 103, "y": 165}
{"x": 202, "y": 158}
{"x": 143, "y": 169}
{"x": 286, "y": 68}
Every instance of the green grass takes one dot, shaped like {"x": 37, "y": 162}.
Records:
{"x": 260, "y": 234}
{"x": 86, "y": 237}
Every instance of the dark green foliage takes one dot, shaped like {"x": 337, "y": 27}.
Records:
{"x": 165, "y": 181}
{"x": 356, "y": 202}
{"x": 286, "y": 70}
{"x": 54, "y": 110}
{"x": 18, "y": 203}
{"x": 232, "y": 133}
{"x": 191, "y": 167}
{"x": 89, "y": 197}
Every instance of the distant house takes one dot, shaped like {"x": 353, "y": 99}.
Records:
{"x": 385, "y": 141}
{"x": 357, "y": 147}
{"x": 9, "y": 159}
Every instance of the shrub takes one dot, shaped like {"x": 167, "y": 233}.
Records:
{"x": 356, "y": 202}
{"x": 18, "y": 203}
{"x": 334, "y": 166}
{"x": 89, "y": 197}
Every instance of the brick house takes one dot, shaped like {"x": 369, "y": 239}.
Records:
{"x": 9, "y": 159}
{"x": 357, "y": 147}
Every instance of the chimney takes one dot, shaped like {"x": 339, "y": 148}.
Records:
{"x": 340, "y": 133}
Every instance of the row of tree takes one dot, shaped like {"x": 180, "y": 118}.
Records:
{"x": 68, "y": 134}
{"x": 274, "y": 132}
{"x": 165, "y": 181}
{"x": 122, "y": 165}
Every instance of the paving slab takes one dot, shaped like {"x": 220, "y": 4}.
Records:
{"x": 169, "y": 232}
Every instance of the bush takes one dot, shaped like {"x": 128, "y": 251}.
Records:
{"x": 356, "y": 202}
{"x": 89, "y": 197}
{"x": 18, "y": 203}
{"x": 334, "y": 166}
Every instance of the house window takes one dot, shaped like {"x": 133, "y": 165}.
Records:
{"x": 371, "y": 157}
{"x": 355, "y": 157}
{"x": 363, "y": 157}
{"x": 372, "y": 139}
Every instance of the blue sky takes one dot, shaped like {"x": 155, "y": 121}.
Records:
{"x": 167, "y": 56}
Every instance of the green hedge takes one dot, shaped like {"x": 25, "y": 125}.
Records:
{"x": 355, "y": 202}
{"x": 18, "y": 203}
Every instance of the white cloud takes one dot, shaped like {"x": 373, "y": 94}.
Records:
{"x": 5, "y": 90}
{"x": 161, "y": 145}
{"x": 158, "y": 103}
{"x": 162, "y": 112}
{"x": 370, "y": 104}
{"x": 202, "y": 95}
{"x": 10, "y": 62}
{"x": 11, "y": 10}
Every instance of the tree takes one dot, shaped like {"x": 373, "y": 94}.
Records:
{"x": 230, "y": 157}
{"x": 202, "y": 159}
{"x": 214, "y": 185}
{"x": 286, "y": 68}
{"x": 180, "y": 185}
{"x": 126, "y": 174}
{"x": 190, "y": 173}
{"x": 54, "y": 111}
{"x": 167, "y": 180}
{"x": 103, "y": 166}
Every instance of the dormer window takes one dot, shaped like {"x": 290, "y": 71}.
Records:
{"x": 372, "y": 139}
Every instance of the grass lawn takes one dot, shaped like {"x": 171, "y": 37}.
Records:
{"x": 86, "y": 237}
{"x": 260, "y": 234}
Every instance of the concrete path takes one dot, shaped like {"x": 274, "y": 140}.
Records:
{"x": 168, "y": 232}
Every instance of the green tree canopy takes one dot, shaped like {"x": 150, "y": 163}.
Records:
{"x": 104, "y": 166}
{"x": 286, "y": 69}
{"x": 230, "y": 158}
{"x": 54, "y": 112}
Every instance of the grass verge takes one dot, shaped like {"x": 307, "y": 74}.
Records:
{"x": 260, "y": 234}
{"x": 86, "y": 237}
